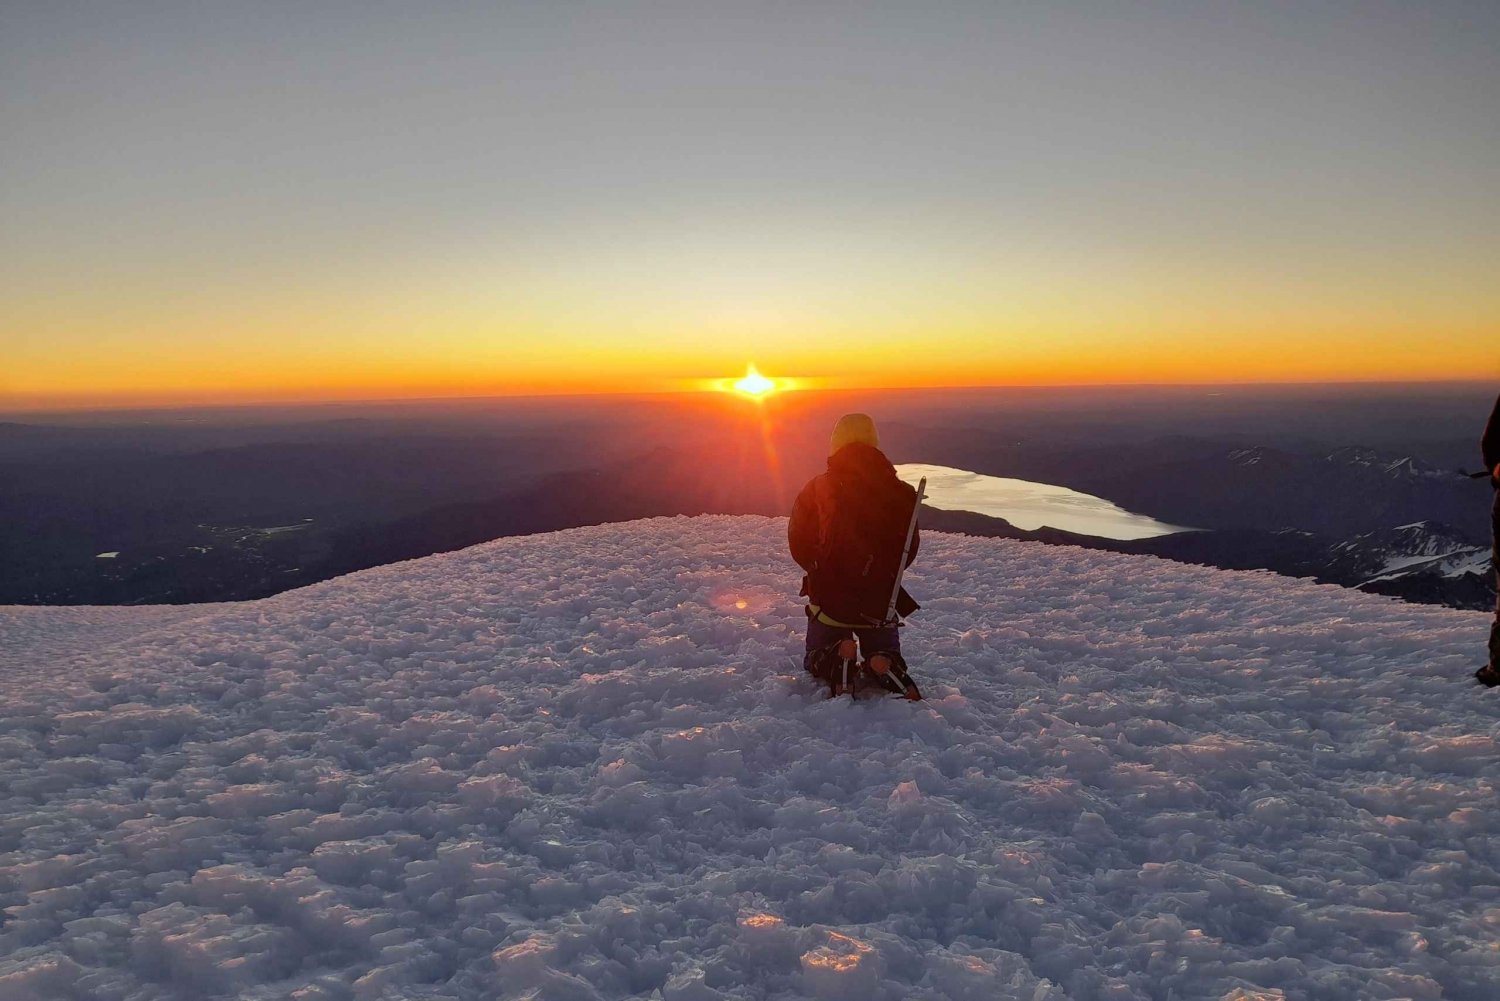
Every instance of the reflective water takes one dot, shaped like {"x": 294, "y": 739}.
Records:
{"x": 1029, "y": 505}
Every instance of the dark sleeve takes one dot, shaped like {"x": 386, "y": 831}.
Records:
{"x": 1490, "y": 443}
{"x": 802, "y": 528}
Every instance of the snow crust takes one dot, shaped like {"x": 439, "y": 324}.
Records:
{"x": 583, "y": 765}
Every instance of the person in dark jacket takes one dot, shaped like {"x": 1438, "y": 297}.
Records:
{"x": 847, "y": 531}
{"x": 1489, "y": 445}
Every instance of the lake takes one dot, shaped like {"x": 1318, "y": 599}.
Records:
{"x": 1029, "y": 506}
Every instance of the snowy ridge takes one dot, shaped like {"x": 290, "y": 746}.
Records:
{"x": 580, "y": 766}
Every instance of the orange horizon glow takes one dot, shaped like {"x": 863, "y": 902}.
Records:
{"x": 129, "y": 373}
{"x": 395, "y": 393}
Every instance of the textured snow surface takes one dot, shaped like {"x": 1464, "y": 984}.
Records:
{"x": 581, "y": 766}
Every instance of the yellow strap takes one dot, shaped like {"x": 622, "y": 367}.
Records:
{"x": 827, "y": 621}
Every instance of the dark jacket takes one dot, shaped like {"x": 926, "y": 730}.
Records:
{"x": 847, "y": 529}
{"x": 1490, "y": 443}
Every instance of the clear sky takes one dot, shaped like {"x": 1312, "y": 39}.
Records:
{"x": 263, "y": 200}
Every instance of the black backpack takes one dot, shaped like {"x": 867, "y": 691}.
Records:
{"x": 861, "y": 532}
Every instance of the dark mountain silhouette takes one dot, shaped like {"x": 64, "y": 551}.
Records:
{"x": 201, "y": 513}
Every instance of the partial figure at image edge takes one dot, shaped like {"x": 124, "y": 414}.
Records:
{"x": 1489, "y": 446}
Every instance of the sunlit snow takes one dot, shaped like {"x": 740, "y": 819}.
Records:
{"x": 584, "y": 766}
{"x": 1029, "y": 505}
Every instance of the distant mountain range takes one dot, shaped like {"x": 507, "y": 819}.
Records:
{"x": 252, "y": 520}
{"x": 1344, "y": 492}
{"x": 1425, "y": 562}
{"x": 1354, "y": 516}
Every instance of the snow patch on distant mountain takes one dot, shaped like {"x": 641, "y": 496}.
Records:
{"x": 584, "y": 766}
{"x": 1395, "y": 467}
{"x": 1358, "y": 457}
{"x": 1424, "y": 547}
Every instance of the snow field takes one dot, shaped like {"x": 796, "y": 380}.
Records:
{"x": 582, "y": 766}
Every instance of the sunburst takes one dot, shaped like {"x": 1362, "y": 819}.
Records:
{"x": 754, "y": 384}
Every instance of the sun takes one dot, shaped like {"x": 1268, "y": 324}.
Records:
{"x": 754, "y": 384}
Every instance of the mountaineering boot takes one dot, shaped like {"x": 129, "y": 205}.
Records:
{"x": 832, "y": 665}
{"x": 890, "y": 670}
{"x": 1487, "y": 676}
{"x": 823, "y": 664}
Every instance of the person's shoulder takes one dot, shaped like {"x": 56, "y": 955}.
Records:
{"x": 813, "y": 487}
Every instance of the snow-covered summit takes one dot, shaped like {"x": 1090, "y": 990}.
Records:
{"x": 582, "y": 765}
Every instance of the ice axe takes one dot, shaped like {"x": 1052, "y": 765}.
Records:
{"x": 890, "y": 610}
{"x": 911, "y": 530}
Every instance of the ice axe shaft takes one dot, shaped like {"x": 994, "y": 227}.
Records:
{"x": 911, "y": 530}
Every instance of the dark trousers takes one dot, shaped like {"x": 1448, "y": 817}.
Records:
{"x": 1495, "y": 565}
{"x": 871, "y": 641}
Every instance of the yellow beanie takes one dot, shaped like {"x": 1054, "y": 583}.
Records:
{"x": 853, "y": 428}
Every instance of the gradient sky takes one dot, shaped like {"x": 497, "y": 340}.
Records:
{"x": 263, "y": 200}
